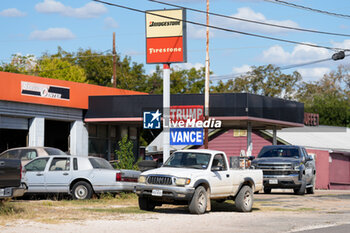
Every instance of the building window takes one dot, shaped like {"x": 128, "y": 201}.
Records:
{"x": 98, "y": 140}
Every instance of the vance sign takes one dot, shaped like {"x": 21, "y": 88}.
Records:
{"x": 166, "y": 36}
{"x": 186, "y": 125}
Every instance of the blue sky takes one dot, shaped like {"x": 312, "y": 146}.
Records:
{"x": 34, "y": 27}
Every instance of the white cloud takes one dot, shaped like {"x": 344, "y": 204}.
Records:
{"x": 312, "y": 74}
{"x": 343, "y": 45}
{"x": 12, "y": 12}
{"x": 301, "y": 53}
{"x": 248, "y": 13}
{"x": 89, "y": 10}
{"x": 198, "y": 32}
{"x": 52, "y": 34}
{"x": 110, "y": 23}
{"x": 242, "y": 69}
{"x": 186, "y": 66}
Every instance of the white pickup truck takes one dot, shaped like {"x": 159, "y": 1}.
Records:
{"x": 194, "y": 177}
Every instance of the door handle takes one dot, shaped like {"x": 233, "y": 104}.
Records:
{"x": 65, "y": 174}
{"x": 39, "y": 174}
{"x": 2, "y": 163}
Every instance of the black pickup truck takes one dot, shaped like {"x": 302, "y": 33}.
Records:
{"x": 286, "y": 166}
{"x": 10, "y": 178}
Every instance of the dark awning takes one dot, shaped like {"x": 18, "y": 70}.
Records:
{"x": 234, "y": 109}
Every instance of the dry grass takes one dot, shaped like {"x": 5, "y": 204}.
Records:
{"x": 59, "y": 211}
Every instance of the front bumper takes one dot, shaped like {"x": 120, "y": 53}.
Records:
{"x": 290, "y": 181}
{"x": 169, "y": 192}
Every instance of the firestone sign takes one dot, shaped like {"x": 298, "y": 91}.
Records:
{"x": 166, "y": 36}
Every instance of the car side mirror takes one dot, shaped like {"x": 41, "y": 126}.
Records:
{"x": 251, "y": 157}
{"x": 216, "y": 168}
{"x": 308, "y": 158}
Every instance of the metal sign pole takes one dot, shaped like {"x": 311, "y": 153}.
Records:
{"x": 206, "y": 91}
{"x": 166, "y": 111}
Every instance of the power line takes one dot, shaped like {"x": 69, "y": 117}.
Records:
{"x": 308, "y": 8}
{"x": 223, "y": 29}
{"x": 231, "y": 76}
{"x": 254, "y": 21}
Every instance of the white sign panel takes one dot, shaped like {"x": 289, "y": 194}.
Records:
{"x": 158, "y": 26}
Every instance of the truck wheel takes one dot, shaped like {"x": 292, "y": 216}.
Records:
{"x": 82, "y": 190}
{"x": 301, "y": 190}
{"x": 311, "y": 190}
{"x": 146, "y": 204}
{"x": 244, "y": 199}
{"x": 267, "y": 190}
{"x": 198, "y": 204}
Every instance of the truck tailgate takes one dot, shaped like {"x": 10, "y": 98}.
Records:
{"x": 10, "y": 173}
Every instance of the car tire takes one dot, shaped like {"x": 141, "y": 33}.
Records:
{"x": 244, "y": 199}
{"x": 267, "y": 190}
{"x": 198, "y": 204}
{"x": 146, "y": 204}
{"x": 82, "y": 191}
{"x": 301, "y": 189}
{"x": 311, "y": 190}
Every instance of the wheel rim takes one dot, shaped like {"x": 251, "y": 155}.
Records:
{"x": 81, "y": 192}
{"x": 202, "y": 202}
{"x": 247, "y": 199}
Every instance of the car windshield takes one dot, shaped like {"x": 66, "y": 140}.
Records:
{"x": 99, "y": 163}
{"x": 54, "y": 151}
{"x": 188, "y": 160}
{"x": 268, "y": 152}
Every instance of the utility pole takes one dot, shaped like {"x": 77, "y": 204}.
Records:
{"x": 206, "y": 91}
{"x": 114, "y": 63}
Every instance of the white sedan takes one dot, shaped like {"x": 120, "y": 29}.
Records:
{"x": 78, "y": 176}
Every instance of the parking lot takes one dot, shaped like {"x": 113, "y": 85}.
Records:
{"x": 276, "y": 212}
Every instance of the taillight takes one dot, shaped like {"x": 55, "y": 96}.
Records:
{"x": 118, "y": 176}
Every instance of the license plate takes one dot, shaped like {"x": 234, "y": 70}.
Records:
{"x": 2, "y": 192}
{"x": 274, "y": 181}
{"x": 157, "y": 192}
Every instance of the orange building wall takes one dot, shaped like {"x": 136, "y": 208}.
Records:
{"x": 10, "y": 90}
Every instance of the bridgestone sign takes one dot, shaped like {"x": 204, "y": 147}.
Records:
{"x": 166, "y": 36}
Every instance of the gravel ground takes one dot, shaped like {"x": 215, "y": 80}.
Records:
{"x": 278, "y": 212}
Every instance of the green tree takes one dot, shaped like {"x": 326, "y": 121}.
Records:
{"x": 20, "y": 64}
{"x": 125, "y": 155}
{"x": 182, "y": 81}
{"x": 131, "y": 76}
{"x": 263, "y": 80}
{"x": 329, "y": 97}
{"x": 154, "y": 82}
{"x": 60, "y": 69}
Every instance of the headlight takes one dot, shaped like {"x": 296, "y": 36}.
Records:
{"x": 297, "y": 167}
{"x": 182, "y": 181}
{"x": 142, "y": 179}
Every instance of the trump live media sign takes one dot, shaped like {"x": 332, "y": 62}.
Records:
{"x": 166, "y": 36}
{"x": 183, "y": 127}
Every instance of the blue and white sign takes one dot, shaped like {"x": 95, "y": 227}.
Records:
{"x": 186, "y": 136}
{"x": 151, "y": 120}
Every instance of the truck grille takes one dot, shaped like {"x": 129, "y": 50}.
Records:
{"x": 275, "y": 166}
{"x": 279, "y": 173}
{"x": 162, "y": 180}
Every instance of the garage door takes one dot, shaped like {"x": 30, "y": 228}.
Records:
{"x": 339, "y": 171}
{"x": 7, "y": 122}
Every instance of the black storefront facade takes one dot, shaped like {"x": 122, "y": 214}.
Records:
{"x": 235, "y": 110}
